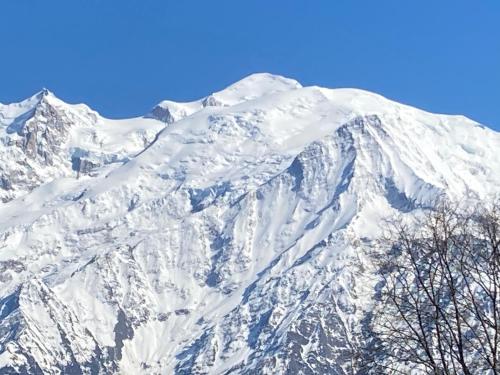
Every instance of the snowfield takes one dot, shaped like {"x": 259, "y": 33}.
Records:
{"x": 222, "y": 236}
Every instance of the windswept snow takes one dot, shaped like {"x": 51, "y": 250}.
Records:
{"x": 225, "y": 235}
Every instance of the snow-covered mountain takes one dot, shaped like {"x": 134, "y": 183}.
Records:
{"x": 222, "y": 236}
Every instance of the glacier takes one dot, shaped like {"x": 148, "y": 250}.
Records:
{"x": 228, "y": 235}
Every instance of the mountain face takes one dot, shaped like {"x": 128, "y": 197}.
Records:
{"x": 44, "y": 139}
{"x": 223, "y": 236}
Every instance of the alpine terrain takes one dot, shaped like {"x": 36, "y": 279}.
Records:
{"x": 228, "y": 235}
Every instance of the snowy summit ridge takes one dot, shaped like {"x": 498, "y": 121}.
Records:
{"x": 249, "y": 88}
{"x": 224, "y": 236}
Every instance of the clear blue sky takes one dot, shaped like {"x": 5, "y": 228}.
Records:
{"x": 123, "y": 56}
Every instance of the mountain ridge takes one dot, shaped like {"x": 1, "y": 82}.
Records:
{"x": 233, "y": 239}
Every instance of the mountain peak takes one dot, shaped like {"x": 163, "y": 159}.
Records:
{"x": 45, "y": 92}
{"x": 14, "y": 110}
{"x": 18, "y": 113}
{"x": 249, "y": 88}
{"x": 38, "y": 97}
{"x": 255, "y": 86}
{"x": 255, "y": 80}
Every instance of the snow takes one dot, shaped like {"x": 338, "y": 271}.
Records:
{"x": 250, "y": 88}
{"x": 226, "y": 231}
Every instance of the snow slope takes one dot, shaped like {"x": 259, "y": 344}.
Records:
{"x": 226, "y": 235}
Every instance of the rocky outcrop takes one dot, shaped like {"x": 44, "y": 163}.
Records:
{"x": 42, "y": 135}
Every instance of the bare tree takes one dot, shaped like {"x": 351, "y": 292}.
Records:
{"x": 440, "y": 294}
